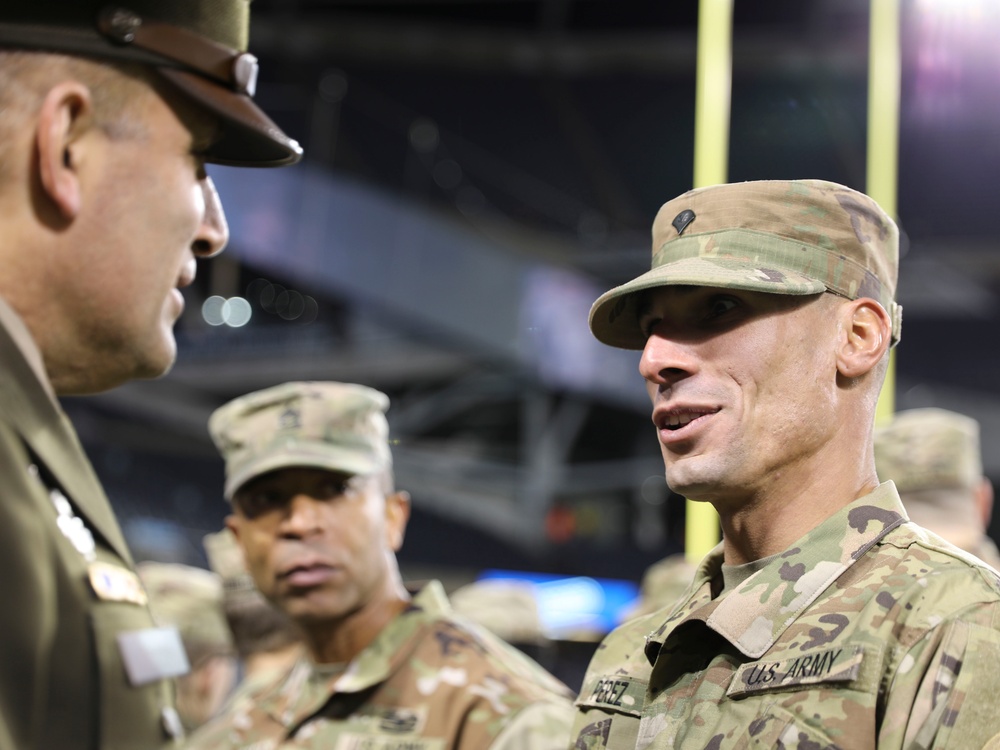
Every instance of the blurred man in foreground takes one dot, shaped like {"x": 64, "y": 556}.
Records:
{"x": 934, "y": 458}
{"x": 109, "y": 115}
{"x": 824, "y": 618}
{"x": 309, "y": 475}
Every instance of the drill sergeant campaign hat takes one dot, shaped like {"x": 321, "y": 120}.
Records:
{"x": 795, "y": 237}
{"x": 198, "y": 46}
{"x": 340, "y": 427}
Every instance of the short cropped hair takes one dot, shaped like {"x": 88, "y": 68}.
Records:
{"x": 117, "y": 89}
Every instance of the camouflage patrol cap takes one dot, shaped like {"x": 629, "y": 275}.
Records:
{"x": 795, "y": 237}
{"x": 335, "y": 426}
{"x": 189, "y": 599}
{"x": 197, "y": 45}
{"x": 933, "y": 457}
{"x": 929, "y": 448}
{"x": 508, "y": 609}
{"x": 225, "y": 558}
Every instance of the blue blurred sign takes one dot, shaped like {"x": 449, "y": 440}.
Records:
{"x": 572, "y": 607}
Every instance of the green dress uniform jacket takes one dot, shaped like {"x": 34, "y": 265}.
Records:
{"x": 69, "y": 586}
{"x": 868, "y": 632}
{"x": 429, "y": 681}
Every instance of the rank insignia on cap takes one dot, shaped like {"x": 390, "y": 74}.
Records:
{"x": 682, "y": 220}
{"x": 290, "y": 419}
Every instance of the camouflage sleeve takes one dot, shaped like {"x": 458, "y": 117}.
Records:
{"x": 945, "y": 688}
{"x": 538, "y": 726}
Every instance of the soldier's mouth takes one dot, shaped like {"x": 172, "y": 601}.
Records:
{"x": 677, "y": 419}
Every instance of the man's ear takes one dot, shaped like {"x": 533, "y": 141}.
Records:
{"x": 233, "y": 524}
{"x": 864, "y": 339}
{"x": 397, "y": 513}
{"x": 66, "y": 114}
{"x": 984, "y": 500}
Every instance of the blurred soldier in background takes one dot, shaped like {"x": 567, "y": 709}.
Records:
{"x": 267, "y": 642}
{"x": 309, "y": 475}
{"x": 509, "y": 610}
{"x": 109, "y": 115}
{"x": 663, "y": 584}
{"x": 824, "y": 619}
{"x": 934, "y": 458}
{"x": 190, "y": 599}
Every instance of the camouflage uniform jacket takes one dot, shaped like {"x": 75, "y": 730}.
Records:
{"x": 429, "y": 681}
{"x": 868, "y": 632}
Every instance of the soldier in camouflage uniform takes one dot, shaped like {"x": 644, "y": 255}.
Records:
{"x": 308, "y": 472}
{"x": 934, "y": 459}
{"x": 825, "y": 618}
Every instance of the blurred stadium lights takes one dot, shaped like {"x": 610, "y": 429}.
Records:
{"x": 954, "y": 61}
{"x": 234, "y": 312}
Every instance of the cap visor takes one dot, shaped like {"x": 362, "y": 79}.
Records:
{"x": 249, "y": 138}
{"x": 341, "y": 462}
{"x": 614, "y": 317}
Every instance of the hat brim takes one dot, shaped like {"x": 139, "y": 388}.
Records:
{"x": 614, "y": 316}
{"x": 248, "y": 138}
{"x": 349, "y": 462}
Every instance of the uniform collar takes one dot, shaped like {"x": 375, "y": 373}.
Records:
{"x": 306, "y": 690}
{"x": 31, "y": 408}
{"x": 22, "y": 339}
{"x": 754, "y": 615}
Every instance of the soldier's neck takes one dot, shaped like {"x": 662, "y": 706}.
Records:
{"x": 343, "y": 639}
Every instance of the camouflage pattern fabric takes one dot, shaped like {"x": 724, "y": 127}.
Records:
{"x": 326, "y": 425}
{"x": 922, "y": 449}
{"x": 796, "y": 237}
{"x": 934, "y": 458}
{"x": 429, "y": 681}
{"x": 663, "y": 583}
{"x": 868, "y": 632}
{"x": 986, "y": 550}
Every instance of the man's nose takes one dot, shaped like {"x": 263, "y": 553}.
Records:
{"x": 303, "y": 516}
{"x": 213, "y": 234}
{"x": 665, "y": 360}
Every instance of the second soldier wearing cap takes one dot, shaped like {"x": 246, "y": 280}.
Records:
{"x": 315, "y": 511}
{"x": 824, "y": 618}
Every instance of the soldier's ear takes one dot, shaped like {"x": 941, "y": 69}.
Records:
{"x": 984, "y": 500}
{"x": 397, "y": 514}
{"x": 233, "y": 524}
{"x": 864, "y": 336}
{"x": 64, "y": 119}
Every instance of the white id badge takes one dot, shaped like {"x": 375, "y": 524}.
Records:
{"x": 152, "y": 654}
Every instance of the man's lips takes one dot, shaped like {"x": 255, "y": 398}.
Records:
{"x": 306, "y": 574}
{"x": 178, "y": 301}
{"x": 680, "y": 421}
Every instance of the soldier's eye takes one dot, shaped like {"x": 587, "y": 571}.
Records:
{"x": 258, "y": 502}
{"x": 719, "y": 306}
{"x": 647, "y": 324}
{"x": 334, "y": 488}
